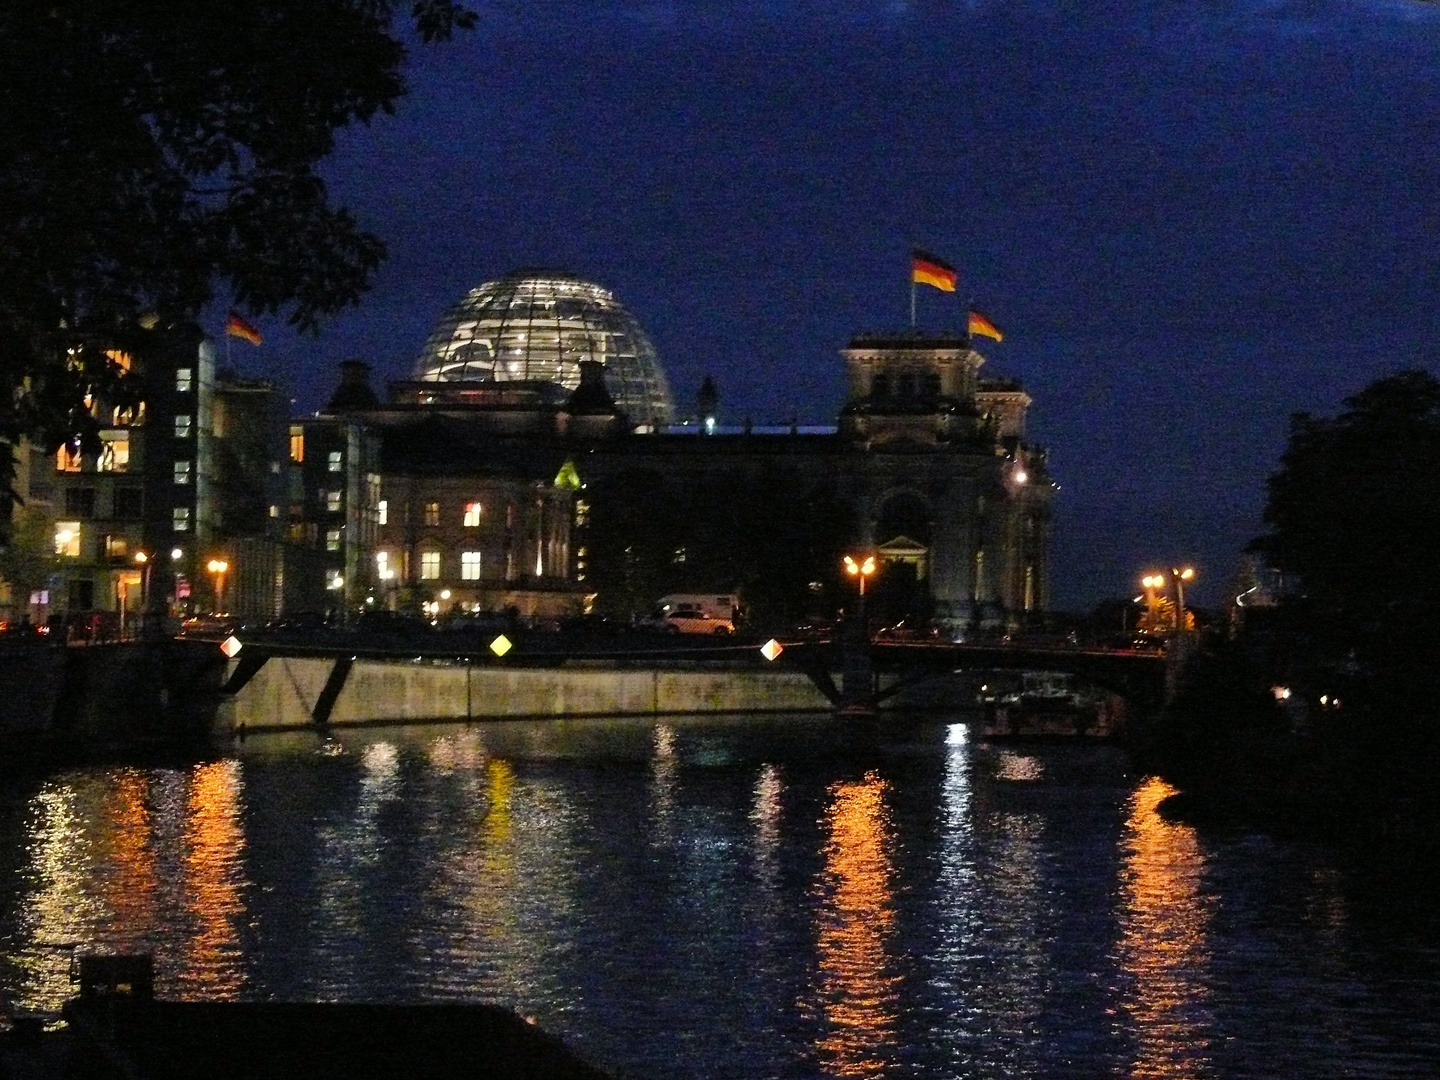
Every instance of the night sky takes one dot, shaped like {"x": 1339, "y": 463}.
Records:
{"x": 1190, "y": 219}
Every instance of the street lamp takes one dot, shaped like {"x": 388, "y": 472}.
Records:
{"x": 218, "y": 568}
{"x": 142, "y": 560}
{"x": 1180, "y": 575}
{"x": 862, "y": 570}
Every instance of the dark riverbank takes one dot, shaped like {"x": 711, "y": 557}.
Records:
{"x": 1348, "y": 776}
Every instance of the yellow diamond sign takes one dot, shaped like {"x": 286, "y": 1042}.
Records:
{"x": 230, "y": 646}
{"x": 501, "y": 645}
{"x": 771, "y": 649}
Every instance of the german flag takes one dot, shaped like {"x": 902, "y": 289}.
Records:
{"x": 926, "y": 269}
{"x": 979, "y": 324}
{"x": 235, "y": 326}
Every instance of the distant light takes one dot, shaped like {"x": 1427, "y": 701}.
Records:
{"x": 141, "y": 557}
{"x": 1021, "y": 476}
{"x": 501, "y": 645}
{"x": 176, "y": 553}
{"x": 444, "y": 594}
{"x": 771, "y": 649}
{"x": 231, "y": 646}
{"x": 217, "y": 566}
{"x": 1282, "y": 693}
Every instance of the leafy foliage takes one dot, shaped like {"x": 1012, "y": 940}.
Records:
{"x": 1355, "y": 512}
{"x": 153, "y": 153}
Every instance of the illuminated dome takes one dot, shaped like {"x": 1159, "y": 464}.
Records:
{"x": 537, "y": 326}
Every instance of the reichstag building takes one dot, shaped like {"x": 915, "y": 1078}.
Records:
{"x": 536, "y": 462}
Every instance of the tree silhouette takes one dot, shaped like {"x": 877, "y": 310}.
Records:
{"x": 153, "y": 154}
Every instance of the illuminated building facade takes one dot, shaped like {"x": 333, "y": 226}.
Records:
{"x": 523, "y": 405}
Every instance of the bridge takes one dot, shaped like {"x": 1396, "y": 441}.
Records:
{"x": 849, "y": 676}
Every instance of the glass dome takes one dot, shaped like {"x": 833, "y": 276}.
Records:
{"x": 537, "y": 326}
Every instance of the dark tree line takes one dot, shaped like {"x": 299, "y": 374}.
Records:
{"x": 156, "y": 155}
{"x": 776, "y": 540}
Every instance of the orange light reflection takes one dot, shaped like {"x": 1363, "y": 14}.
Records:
{"x": 856, "y": 990}
{"x": 1163, "y": 948}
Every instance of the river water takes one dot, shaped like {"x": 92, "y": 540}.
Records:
{"x": 728, "y": 898}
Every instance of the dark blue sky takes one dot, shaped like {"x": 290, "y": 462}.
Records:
{"x": 1190, "y": 218}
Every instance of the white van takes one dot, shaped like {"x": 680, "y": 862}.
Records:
{"x": 696, "y": 613}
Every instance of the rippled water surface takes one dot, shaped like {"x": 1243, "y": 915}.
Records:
{"x": 727, "y": 898}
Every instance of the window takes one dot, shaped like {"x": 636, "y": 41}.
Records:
{"x": 67, "y": 458}
{"x": 183, "y": 380}
{"x": 470, "y": 565}
{"x": 182, "y": 426}
{"x": 182, "y": 472}
{"x": 67, "y": 539}
{"x": 429, "y": 565}
{"x": 382, "y": 512}
{"x": 332, "y": 539}
{"x": 332, "y": 501}
{"x": 114, "y": 451}
{"x": 129, "y": 503}
{"x": 297, "y": 444}
{"x": 335, "y": 461}
{"x": 116, "y": 546}
{"x": 274, "y": 511}
{"x": 180, "y": 519}
{"x": 80, "y": 501}
{"x": 472, "y": 514}
{"x": 128, "y": 415}
{"x": 582, "y": 512}
{"x": 382, "y": 566}
{"x": 432, "y": 513}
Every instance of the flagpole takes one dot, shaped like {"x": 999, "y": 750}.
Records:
{"x": 912, "y": 299}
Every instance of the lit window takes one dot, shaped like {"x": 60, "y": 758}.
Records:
{"x": 297, "y": 444}
{"x": 180, "y": 519}
{"x": 332, "y": 539}
{"x": 335, "y": 461}
{"x": 472, "y": 514}
{"x": 274, "y": 511}
{"x": 120, "y": 359}
{"x": 332, "y": 500}
{"x": 114, "y": 451}
{"x": 470, "y": 565}
{"x": 183, "y": 380}
{"x": 116, "y": 546}
{"x": 382, "y": 566}
{"x": 182, "y": 472}
{"x": 67, "y": 458}
{"x": 182, "y": 426}
{"x": 582, "y": 512}
{"x": 382, "y": 512}
{"x": 429, "y": 565}
{"x": 432, "y": 513}
{"x": 67, "y": 539}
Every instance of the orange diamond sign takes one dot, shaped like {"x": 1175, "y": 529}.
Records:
{"x": 231, "y": 646}
{"x": 771, "y": 649}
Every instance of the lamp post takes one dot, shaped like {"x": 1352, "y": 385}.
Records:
{"x": 1179, "y": 576}
{"x": 218, "y": 568}
{"x": 862, "y": 570}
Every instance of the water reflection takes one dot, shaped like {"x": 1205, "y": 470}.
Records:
{"x": 858, "y": 989}
{"x": 1163, "y": 948}
{"x": 214, "y": 862}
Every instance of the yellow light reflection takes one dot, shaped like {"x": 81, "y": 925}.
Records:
{"x": 856, "y": 990}
{"x": 214, "y": 867}
{"x": 1163, "y": 947}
